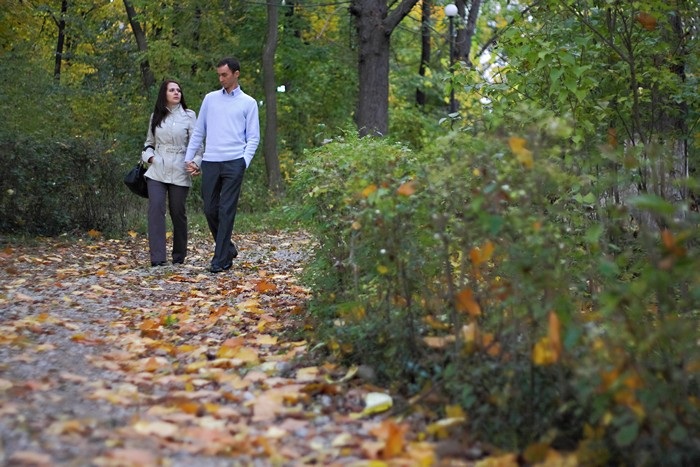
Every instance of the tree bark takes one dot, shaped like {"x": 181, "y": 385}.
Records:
{"x": 272, "y": 163}
{"x": 464, "y": 35}
{"x": 375, "y": 23}
{"x": 61, "y": 23}
{"x": 146, "y": 73}
{"x": 425, "y": 47}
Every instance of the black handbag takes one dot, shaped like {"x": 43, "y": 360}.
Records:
{"x": 136, "y": 181}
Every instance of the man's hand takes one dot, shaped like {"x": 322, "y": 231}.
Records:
{"x": 192, "y": 168}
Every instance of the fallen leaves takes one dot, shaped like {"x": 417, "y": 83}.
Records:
{"x": 179, "y": 362}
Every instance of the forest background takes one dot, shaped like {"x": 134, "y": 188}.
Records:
{"x": 505, "y": 200}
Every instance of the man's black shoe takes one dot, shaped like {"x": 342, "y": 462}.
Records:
{"x": 155, "y": 264}
{"x": 217, "y": 269}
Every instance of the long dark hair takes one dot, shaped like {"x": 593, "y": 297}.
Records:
{"x": 161, "y": 109}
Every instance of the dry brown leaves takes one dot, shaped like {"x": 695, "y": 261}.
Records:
{"x": 107, "y": 361}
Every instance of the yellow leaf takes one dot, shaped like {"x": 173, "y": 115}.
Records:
{"x": 132, "y": 234}
{"x": 247, "y": 354}
{"x": 524, "y": 155}
{"x": 352, "y": 371}
{"x": 381, "y": 269}
{"x": 543, "y": 353}
{"x": 369, "y": 190}
{"x": 469, "y": 333}
{"x": 375, "y": 402}
{"x": 441, "y": 428}
{"x": 94, "y": 234}
{"x": 266, "y": 339}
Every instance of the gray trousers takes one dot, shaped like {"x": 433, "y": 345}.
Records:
{"x": 221, "y": 187}
{"x": 176, "y": 197}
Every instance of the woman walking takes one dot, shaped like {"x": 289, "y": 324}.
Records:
{"x": 169, "y": 130}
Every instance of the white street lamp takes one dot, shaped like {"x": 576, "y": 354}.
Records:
{"x": 451, "y": 12}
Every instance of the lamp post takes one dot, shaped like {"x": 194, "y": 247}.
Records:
{"x": 451, "y": 12}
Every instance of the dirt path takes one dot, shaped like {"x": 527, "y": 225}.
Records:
{"x": 105, "y": 361}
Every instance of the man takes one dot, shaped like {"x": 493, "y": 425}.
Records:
{"x": 228, "y": 123}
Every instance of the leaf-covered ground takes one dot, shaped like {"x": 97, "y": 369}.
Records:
{"x": 106, "y": 361}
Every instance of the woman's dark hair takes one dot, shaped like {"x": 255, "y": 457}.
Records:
{"x": 161, "y": 109}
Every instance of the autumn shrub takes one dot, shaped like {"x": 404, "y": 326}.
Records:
{"x": 492, "y": 271}
{"x": 53, "y": 186}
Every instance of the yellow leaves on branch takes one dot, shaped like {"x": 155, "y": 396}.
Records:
{"x": 548, "y": 350}
{"x": 524, "y": 155}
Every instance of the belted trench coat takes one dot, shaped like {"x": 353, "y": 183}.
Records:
{"x": 168, "y": 147}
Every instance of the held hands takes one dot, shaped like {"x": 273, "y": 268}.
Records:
{"x": 192, "y": 169}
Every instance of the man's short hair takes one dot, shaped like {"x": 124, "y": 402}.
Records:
{"x": 232, "y": 62}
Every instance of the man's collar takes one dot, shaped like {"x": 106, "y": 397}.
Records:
{"x": 235, "y": 91}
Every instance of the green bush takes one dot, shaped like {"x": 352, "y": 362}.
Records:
{"x": 496, "y": 273}
{"x": 57, "y": 186}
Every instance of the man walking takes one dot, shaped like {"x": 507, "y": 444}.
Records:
{"x": 228, "y": 123}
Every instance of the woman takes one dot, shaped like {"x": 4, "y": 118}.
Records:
{"x": 169, "y": 131}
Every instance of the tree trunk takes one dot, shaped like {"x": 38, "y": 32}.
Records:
{"x": 272, "y": 162}
{"x": 60, "y": 42}
{"x": 464, "y": 35}
{"x": 425, "y": 47}
{"x": 374, "y": 26}
{"x": 146, "y": 73}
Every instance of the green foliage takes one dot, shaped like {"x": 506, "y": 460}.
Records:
{"x": 56, "y": 186}
{"x": 489, "y": 270}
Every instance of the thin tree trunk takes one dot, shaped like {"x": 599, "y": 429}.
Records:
{"x": 425, "y": 47}
{"x": 60, "y": 42}
{"x": 464, "y": 35}
{"x": 272, "y": 162}
{"x": 140, "y": 36}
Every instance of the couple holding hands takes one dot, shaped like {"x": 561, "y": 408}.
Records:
{"x": 219, "y": 145}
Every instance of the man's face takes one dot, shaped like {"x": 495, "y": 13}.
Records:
{"x": 227, "y": 78}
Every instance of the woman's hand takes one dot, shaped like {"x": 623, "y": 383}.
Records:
{"x": 192, "y": 168}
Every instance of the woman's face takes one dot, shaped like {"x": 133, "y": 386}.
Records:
{"x": 173, "y": 94}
